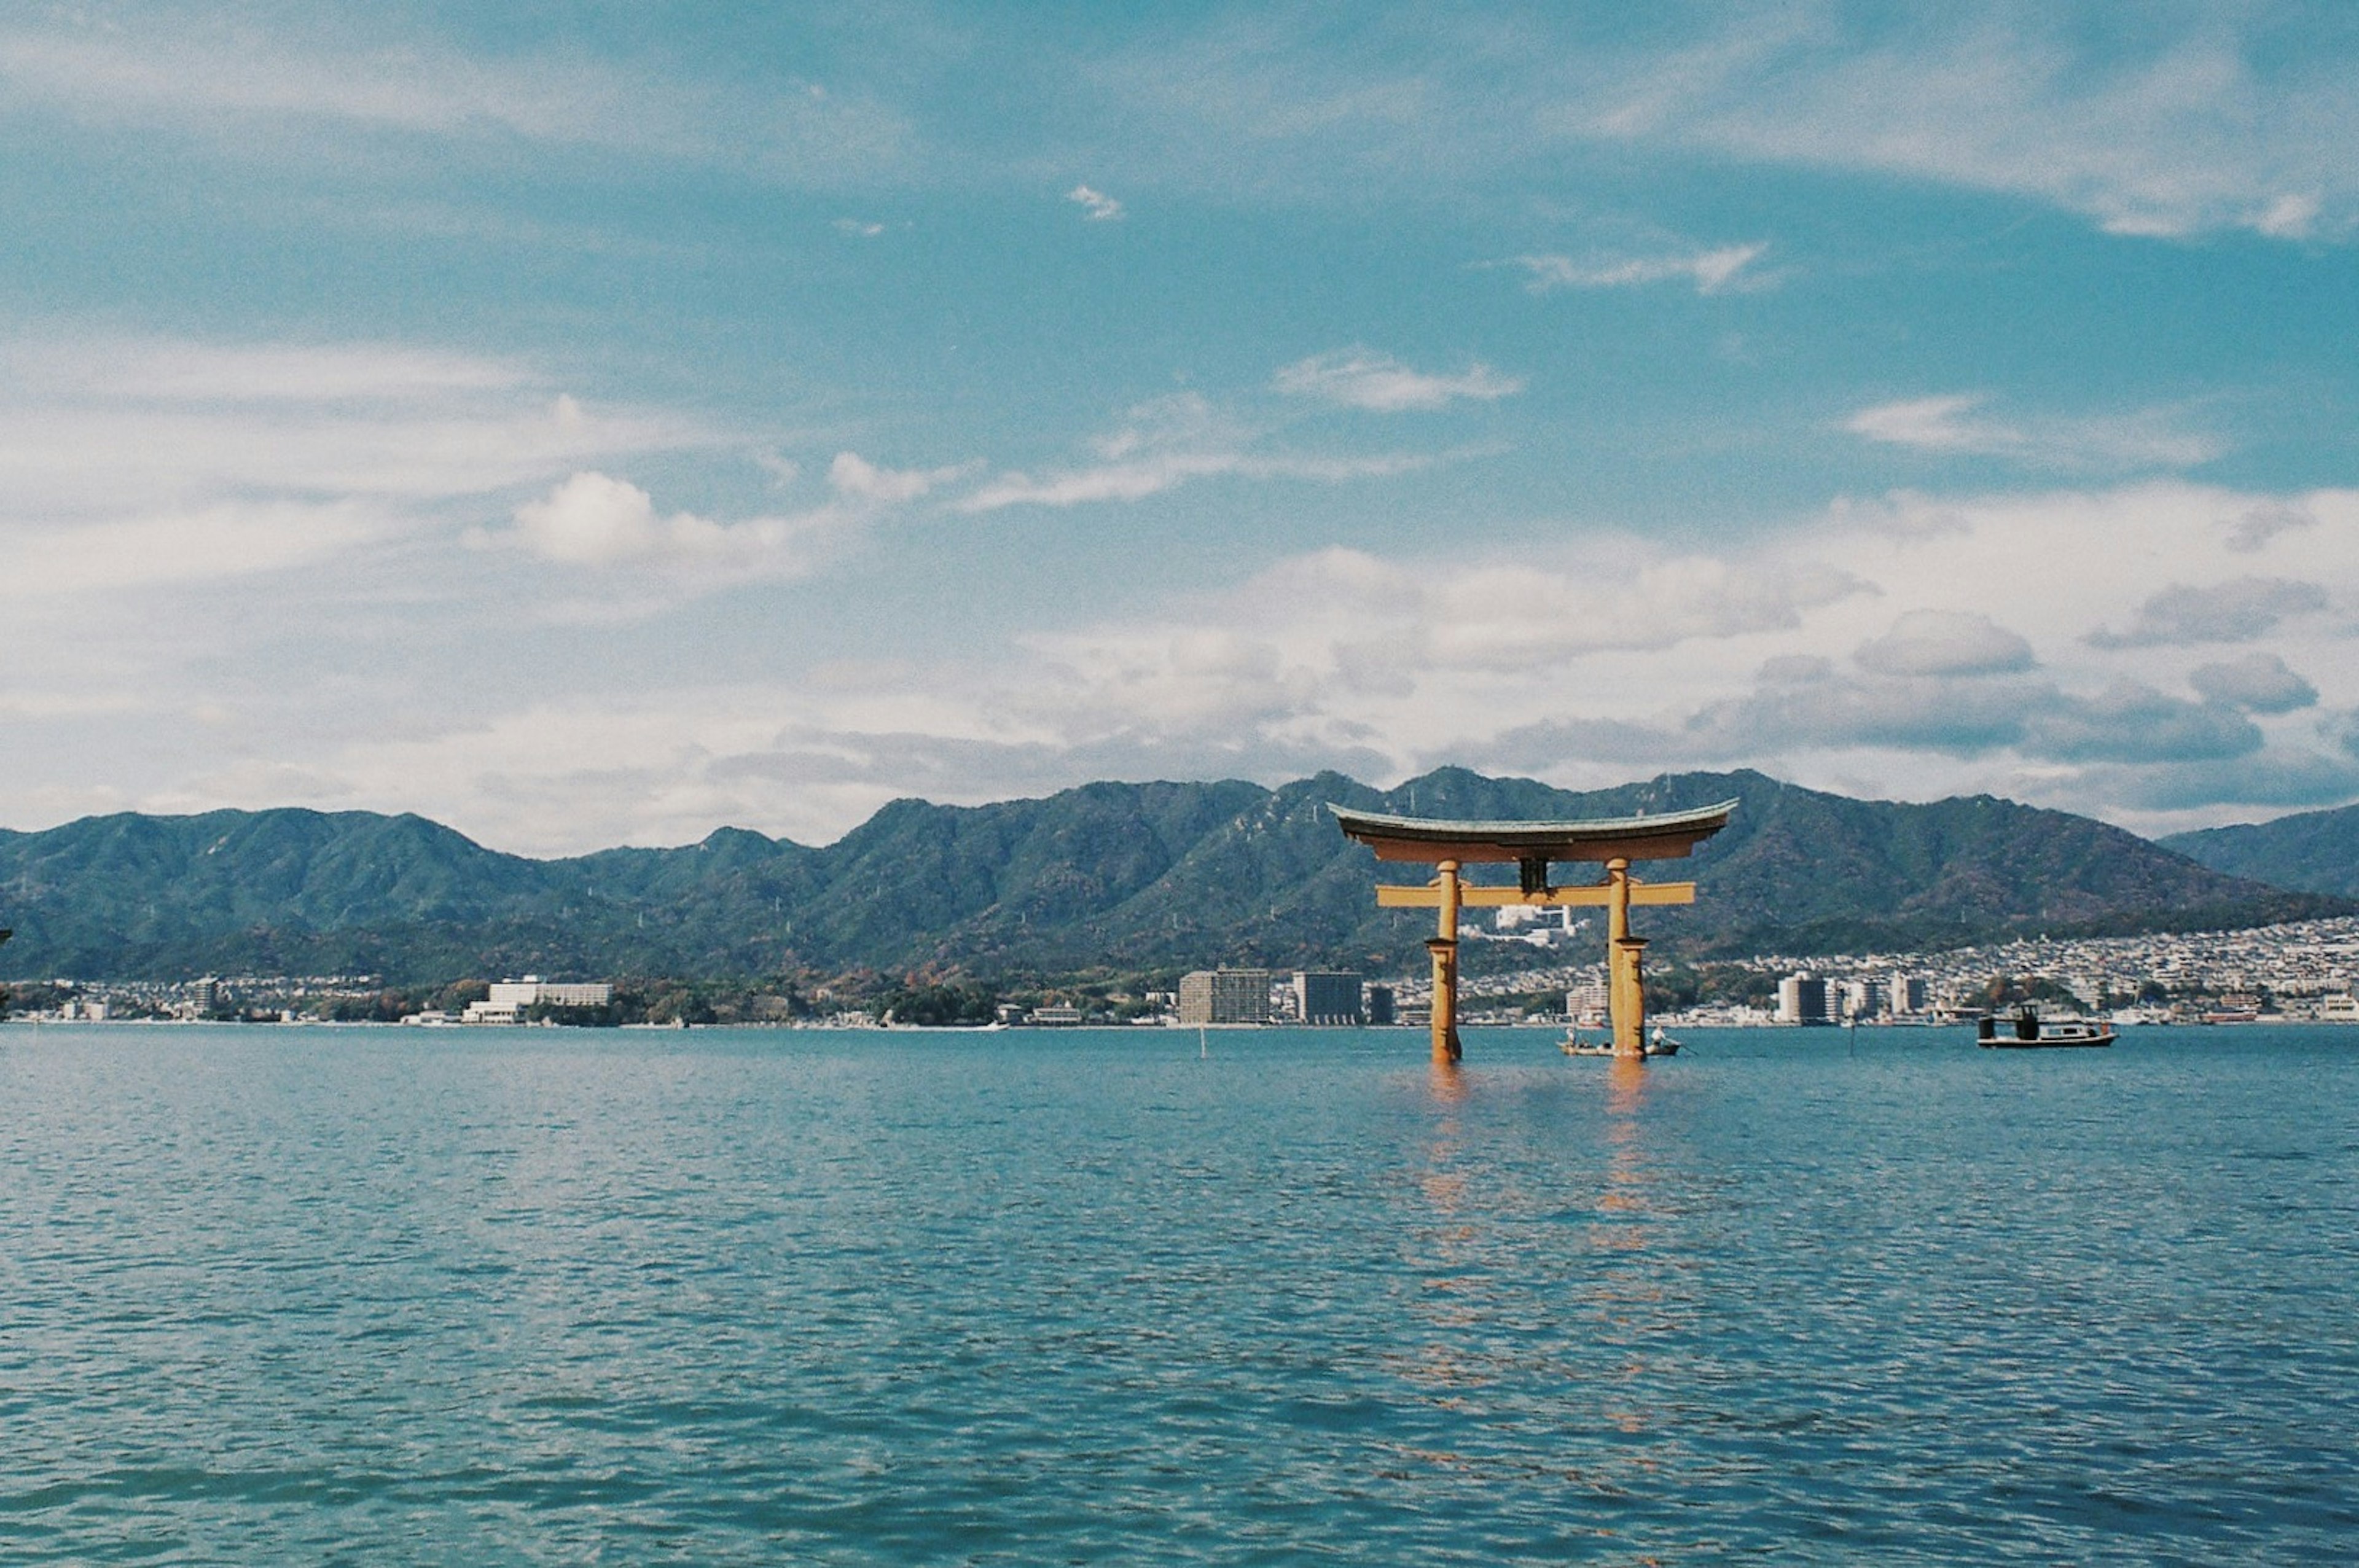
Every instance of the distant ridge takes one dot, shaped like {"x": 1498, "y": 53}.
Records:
{"x": 1106, "y": 876}
{"x": 2316, "y": 851}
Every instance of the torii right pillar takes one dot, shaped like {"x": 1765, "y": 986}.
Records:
{"x": 1625, "y": 979}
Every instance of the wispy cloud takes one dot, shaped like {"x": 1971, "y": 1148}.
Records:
{"x": 1361, "y": 378}
{"x": 2172, "y": 130}
{"x": 224, "y": 79}
{"x": 1951, "y": 424}
{"x": 1711, "y": 272}
{"x": 1167, "y": 443}
{"x": 1134, "y": 479}
{"x": 1096, "y": 205}
{"x": 2193, "y": 119}
{"x": 105, "y": 426}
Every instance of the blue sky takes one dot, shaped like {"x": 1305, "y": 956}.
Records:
{"x": 591, "y": 425}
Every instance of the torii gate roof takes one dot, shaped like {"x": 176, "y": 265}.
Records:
{"x": 1668, "y": 837}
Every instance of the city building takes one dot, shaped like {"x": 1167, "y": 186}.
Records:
{"x": 1325, "y": 996}
{"x": 532, "y": 991}
{"x": 1803, "y": 998}
{"x": 1585, "y": 1003}
{"x": 511, "y": 1000}
{"x": 1379, "y": 1002}
{"x": 1224, "y": 995}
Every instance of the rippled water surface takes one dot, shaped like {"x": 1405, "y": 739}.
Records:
{"x": 381, "y": 1295}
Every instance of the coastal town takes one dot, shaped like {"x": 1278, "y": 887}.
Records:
{"x": 2303, "y": 972}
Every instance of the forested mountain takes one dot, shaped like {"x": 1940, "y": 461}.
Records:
{"x": 2315, "y": 850}
{"x": 1107, "y": 876}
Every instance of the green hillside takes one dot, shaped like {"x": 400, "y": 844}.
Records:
{"x": 2314, "y": 851}
{"x": 1128, "y": 876}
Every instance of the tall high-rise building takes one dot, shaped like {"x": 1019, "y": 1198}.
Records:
{"x": 1803, "y": 998}
{"x": 1224, "y": 995}
{"x": 1327, "y": 996}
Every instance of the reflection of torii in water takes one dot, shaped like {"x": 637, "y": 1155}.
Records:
{"x": 1532, "y": 847}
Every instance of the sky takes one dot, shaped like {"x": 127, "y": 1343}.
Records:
{"x": 588, "y": 425}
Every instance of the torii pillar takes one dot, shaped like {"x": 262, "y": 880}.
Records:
{"x": 1533, "y": 847}
{"x": 1444, "y": 950}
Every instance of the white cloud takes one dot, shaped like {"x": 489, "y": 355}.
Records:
{"x": 2258, "y": 682}
{"x": 856, "y": 479}
{"x": 2236, "y": 611}
{"x": 1933, "y": 423}
{"x": 595, "y": 520}
{"x": 1711, "y": 272}
{"x": 1359, "y": 378}
{"x": 1949, "y": 423}
{"x": 1880, "y": 664}
{"x": 1097, "y": 206}
{"x": 1945, "y": 643}
{"x": 1865, "y": 650}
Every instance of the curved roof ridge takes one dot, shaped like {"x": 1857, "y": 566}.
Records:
{"x": 1663, "y": 836}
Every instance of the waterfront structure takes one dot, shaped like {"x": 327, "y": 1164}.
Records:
{"x": 1378, "y": 1000}
{"x": 511, "y": 1000}
{"x": 1224, "y": 995}
{"x": 534, "y": 991}
{"x": 1325, "y": 996}
{"x": 1533, "y": 848}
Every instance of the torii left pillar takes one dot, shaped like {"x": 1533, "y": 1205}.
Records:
{"x": 1445, "y": 949}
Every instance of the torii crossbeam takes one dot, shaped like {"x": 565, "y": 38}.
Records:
{"x": 1533, "y": 847}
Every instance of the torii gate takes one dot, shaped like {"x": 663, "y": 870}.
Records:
{"x": 1532, "y": 845}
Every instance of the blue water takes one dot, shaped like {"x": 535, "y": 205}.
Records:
{"x": 404, "y": 1296}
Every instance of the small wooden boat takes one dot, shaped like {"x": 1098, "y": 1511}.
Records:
{"x": 1573, "y": 1044}
{"x": 2027, "y": 1031}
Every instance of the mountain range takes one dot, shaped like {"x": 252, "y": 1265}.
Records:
{"x": 2312, "y": 852}
{"x": 1135, "y": 877}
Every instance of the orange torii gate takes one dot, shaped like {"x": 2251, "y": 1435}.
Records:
{"x": 1532, "y": 847}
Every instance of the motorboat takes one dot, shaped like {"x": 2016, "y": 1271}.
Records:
{"x": 2027, "y": 1031}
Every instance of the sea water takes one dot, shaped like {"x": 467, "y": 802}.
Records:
{"x": 375, "y": 1295}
